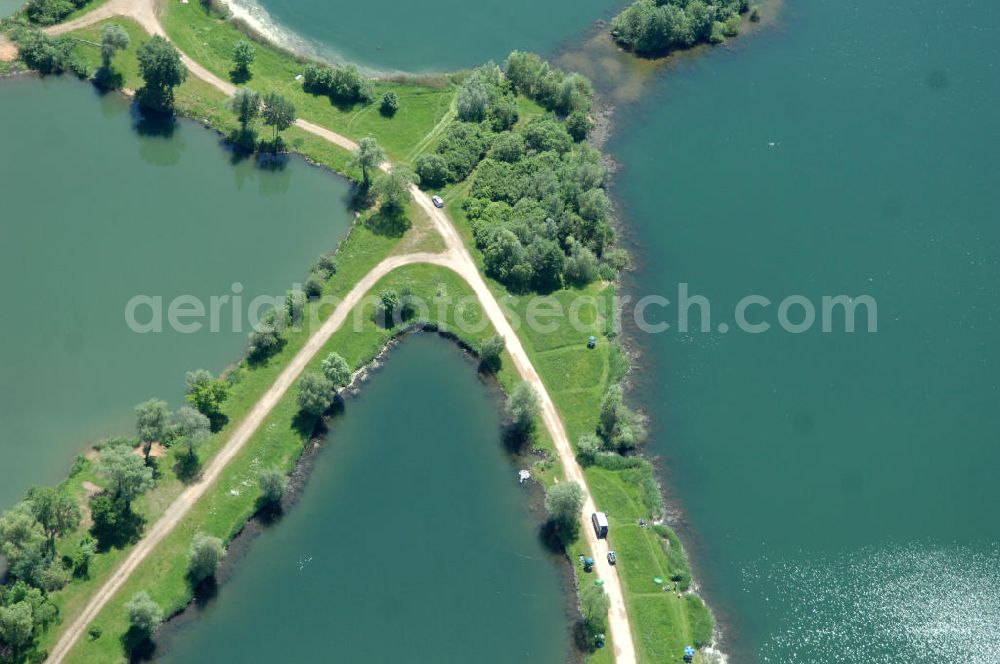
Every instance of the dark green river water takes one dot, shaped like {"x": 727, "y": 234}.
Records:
{"x": 92, "y": 214}
{"x": 412, "y": 540}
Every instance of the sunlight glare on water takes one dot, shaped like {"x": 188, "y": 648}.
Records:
{"x": 912, "y": 604}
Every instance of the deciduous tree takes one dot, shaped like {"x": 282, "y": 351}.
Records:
{"x": 205, "y": 392}
{"x": 523, "y": 407}
{"x": 55, "y": 510}
{"x": 113, "y": 39}
{"x": 490, "y": 352}
{"x": 243, "y": 56}
{"x": 315, "y": 394}
{"x": 191, "y": 427}
{"x": 128, "y": 476}
{"x": 204, "y": 557}
{"x": 393, "y": 189}
{"x": 273, "y": 484}
{"x": 152, "y": 423}
{"x": 336, "y": 370}
{"x": 563, "y": 502}
{"x": 162, "y": 70}
{"x": 23, "y": 542}
{"x": 246, "y": 105}
{"x": 368, "y": 157}
{"x": 144, "y": 615}
{"x": 278, "y": 113}
{"x": 594, "y": 605}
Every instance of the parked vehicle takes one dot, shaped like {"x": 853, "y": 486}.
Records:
{"x": 600, "y": 521}
{"x": 437, "y": 201}
{"x": 612, "y": 558}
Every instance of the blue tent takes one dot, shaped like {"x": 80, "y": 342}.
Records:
{"x": 689, "y": 652}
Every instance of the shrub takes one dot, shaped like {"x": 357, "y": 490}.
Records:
{"x": 552, "y": 88}
{"x": 523, "y": 407}
{"x": 701, "y": 621}
{"x": 264, "y": 341}
{"x": 490, "y": 352}
{"x": 143, "y": 613}
{"x": 315, "y": 394}
{"x": 204, "y": 557}
{"x": 620, "y": 427}
{"x": 243, "y": 56}
{"x": 582, "y": 267}
{"x": 503, "y": 114}
{"x": 508, "y": 147}
{"x": 578, "y": 124}
{"x": 389, "y": 105}
{"x": 81, "y": 557}
{"x": 315, "y": 283}
{"x": 326, "y": 263}
{"x": 48, "y": 12}
{"x": 341, "y": 84}
{"x": 432, "y": 169}
{"x": 43, "y": 53}
{"x": 678, "y": 566}
{"x": 53, "y": 577}
{"x": 595, "y": 605}
{"x": 462, "y": 147}
{"x": 731, "y": 26}
{"x": 273, "y": 485}
{"x": 563, "y": 502}
{"x": 614, "y": 461}
{"x": 588, "y": 448}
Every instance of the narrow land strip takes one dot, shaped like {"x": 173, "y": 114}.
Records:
{"x": 250, "y": 424}
{"x": 457, "y": 258}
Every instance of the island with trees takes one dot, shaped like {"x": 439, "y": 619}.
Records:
{"x": 657, "y": 27}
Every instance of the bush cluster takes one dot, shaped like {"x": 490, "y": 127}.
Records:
{"x": 659, "y": 26}
{"x": 47, "y": 55}
{"x": 552, "y": 88}
{"x": 48, "y": 12}
{"x": 537, "y": 204}
{"x": 342, "y": 84}
{"x": 539, "y": 211}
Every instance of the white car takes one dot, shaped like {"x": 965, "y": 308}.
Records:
{"x": 437, "y": 201}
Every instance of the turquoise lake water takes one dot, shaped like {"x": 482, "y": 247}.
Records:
{"x": 412, "y": 540}
{"x": 442, "y": 35}
{"x": 94, "y": 214}
{"x": 839, "y": 489}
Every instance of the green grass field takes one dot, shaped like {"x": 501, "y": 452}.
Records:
{"x": 210, "y": 41}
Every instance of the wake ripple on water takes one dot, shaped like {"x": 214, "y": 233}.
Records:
{"x": 909, "y": 605}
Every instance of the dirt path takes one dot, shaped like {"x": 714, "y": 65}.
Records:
{"x": 621, "y": 632}
{"x": 456, "y": 258}
{"x": 184, "y": 502}
{"x": 8, "y": 52}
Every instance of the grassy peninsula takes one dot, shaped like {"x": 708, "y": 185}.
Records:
{"x": 507, "y": 148}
